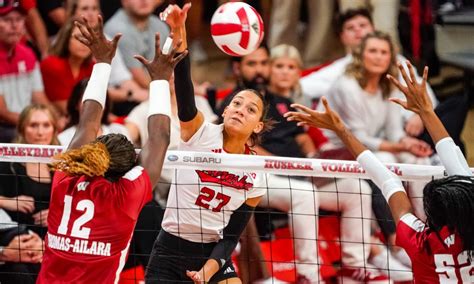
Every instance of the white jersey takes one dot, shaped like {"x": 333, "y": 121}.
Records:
{"x": 200, "y": 202}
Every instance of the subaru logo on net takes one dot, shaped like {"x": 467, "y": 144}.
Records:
{"x": 173, "y": 158}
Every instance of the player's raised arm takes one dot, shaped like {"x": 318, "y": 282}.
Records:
{"x": 95, "y": 94}
{"x": 390, "y": 184}
{"x": 159, "y": 112}
{"x": 418, "y": 101}
{"x": 190, "y": 117}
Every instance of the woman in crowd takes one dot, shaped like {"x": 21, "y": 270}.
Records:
{"x": 30, "y": 183}
{"x": 69, "y": 62}
{"x": 74, "y": 105}
{"x": 123, "y": 91}
{"x": 361, "y": 98}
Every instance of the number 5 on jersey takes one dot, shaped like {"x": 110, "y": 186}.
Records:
{"x": 78, "y": 230}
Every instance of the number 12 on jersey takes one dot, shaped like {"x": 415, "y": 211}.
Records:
{"x": 78, "y": 230}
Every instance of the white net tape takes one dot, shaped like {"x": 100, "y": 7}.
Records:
{"x": 212, "y": 161}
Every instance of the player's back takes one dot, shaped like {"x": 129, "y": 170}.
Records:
{"x": 437, "y": 257}
{"x": 90, "y": 224}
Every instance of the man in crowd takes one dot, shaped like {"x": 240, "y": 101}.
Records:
{"x": 20, "y": 77}
{"x": 135, "y": 20}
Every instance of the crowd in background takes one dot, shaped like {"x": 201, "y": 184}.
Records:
{"x": 44, "y": 70}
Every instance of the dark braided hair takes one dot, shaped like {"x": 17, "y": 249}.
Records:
{"x": 450, "y": 202}
{"x": 122, "y": 154}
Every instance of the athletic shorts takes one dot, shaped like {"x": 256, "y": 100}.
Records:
{"x": 172, "y": 256}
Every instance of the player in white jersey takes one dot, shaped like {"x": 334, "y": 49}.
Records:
{"x": 206, "y": 210}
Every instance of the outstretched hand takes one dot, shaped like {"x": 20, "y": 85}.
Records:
{"x": 417, "y": 99}
{"x": 162, "y": 66}
{"x": 174, "y": 16}
{"x": 327, "y": 119}
{"x": 102, "y": 49}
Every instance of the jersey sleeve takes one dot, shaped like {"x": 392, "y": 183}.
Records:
{"x": 410, "y": 230}
{"x": 135, "y": 191}
{"x": 204, "y": 137}
{"x": 57, "y": 178}
{"x": 259, "y": 187}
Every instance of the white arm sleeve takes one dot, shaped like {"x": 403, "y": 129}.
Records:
{"x": 96, "y": 89}
{"x": 160, "y": 99}
{"x": 387, "y": 181}
{"x": 452, "y": 158}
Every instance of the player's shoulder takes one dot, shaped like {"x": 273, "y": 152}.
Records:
{"x": 134, "y": 173}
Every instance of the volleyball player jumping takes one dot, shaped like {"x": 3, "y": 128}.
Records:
{"x": 206, "y": 210}
{"x": 98, "y": 189}
{"x": 442, "y": 249}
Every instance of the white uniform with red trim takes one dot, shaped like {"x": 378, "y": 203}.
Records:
{"x": 200, "y": 202}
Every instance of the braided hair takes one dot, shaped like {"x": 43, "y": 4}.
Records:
{"x": 110, "y": 155}
{"x": 450, "y": 202}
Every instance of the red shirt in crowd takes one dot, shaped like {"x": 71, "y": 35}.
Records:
{"x": 90, "y": 224}
{"x": 58, "y": 78}
{"x": 436, "y": 257}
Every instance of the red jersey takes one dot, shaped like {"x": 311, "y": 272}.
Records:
{"x": 444, "y": 261}
{"x": 90, "y": 224}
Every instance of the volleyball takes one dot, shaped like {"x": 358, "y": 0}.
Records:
{"x": 237, "y": 28}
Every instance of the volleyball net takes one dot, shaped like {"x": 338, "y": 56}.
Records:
{"x": 317, "y": 215}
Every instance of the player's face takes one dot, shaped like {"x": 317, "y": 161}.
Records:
{"x": 354, "y": 30}
{"x": 89, "y": 9}
{"x": 76, "y": 48}
{"x": 12, "y": 28}
{"x": 243, "y": 116}
{"x": 376, "y": 56}
{"x": 39, "y": 128}
{"x": 140, "y": 8}
{"x": 254, "y": 69}
{"x": 285, "y": 73}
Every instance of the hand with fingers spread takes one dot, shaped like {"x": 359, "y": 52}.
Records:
{"x": 175, "y": 16}
{"x": 327, "y": 119}
{"x": 417, "y": 99}
{"x": 102, "y": 49}
{"x": 162, "y": 66}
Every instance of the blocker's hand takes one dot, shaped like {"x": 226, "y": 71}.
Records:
{"x": 102, "y": 49}
{"x": 328, "y": 119}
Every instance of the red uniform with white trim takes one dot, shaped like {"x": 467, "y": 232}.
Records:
{"x": 90, "y": 224}
{"x": 443, "y": 262}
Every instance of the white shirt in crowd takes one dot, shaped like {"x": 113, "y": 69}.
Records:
{"x": 317, "y": 84}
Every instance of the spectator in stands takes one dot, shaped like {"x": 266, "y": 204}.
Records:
{"x": 20, "y": 251}
{"x": 361, "y": 97}
{"x": 251, "y": 72}
{"x": 123, "y": 91}
{"x": 20, "y": 77}
{"x": 286, "y": 65}
{"x": 53, "y": 13}
{"x": 74, "y": 105}
{"x": 352, "y": 27}
{"x": 138, "y": 26}
{"x": 69, "y": 63}
{"x": 37, "y": 125}
{"x": 384, "y": 13}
